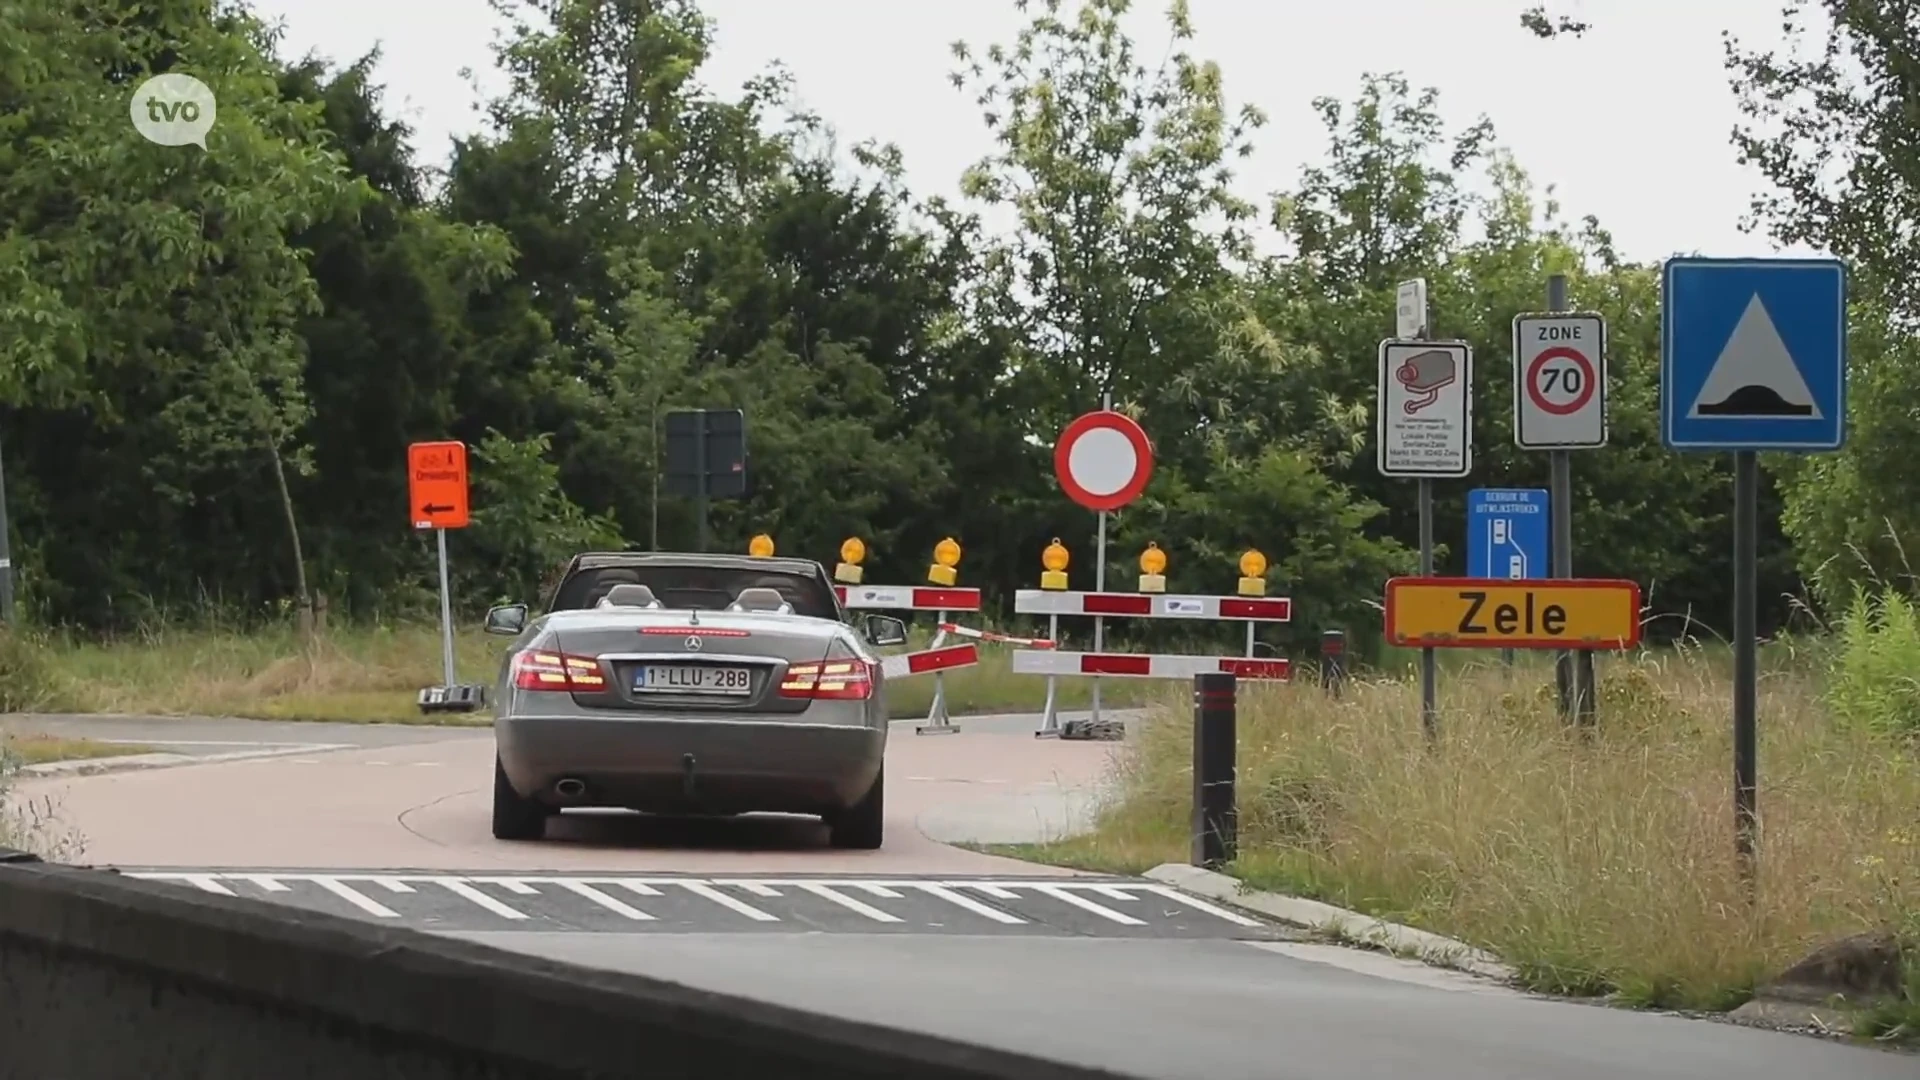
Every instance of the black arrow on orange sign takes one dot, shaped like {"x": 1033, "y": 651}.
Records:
{"x": 430, "y": 509}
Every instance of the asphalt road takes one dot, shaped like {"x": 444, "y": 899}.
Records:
{"x": 1095, "y": 969}
{"x": 1213, "y": 1009}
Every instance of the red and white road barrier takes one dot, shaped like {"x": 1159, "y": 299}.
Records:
{"x": 907, "y": 598}
{"x": 935, "y": 598}
{"x": 1147, "y": 666}
{"x": 1101, "y": 606}
{"x": 988, "y": 635}
{"x": 1259, "y": 609}
{"x": 930, "y": 661}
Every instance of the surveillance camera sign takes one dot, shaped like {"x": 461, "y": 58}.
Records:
{"x": 1424, "y": 408}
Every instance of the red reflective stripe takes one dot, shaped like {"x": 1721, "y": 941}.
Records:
{"x": 946, "y": 599}
{"x": 1233, "y": 607}
{"x": 1116, "y": 604}
{"x": 841, "y": 592}
{"x": 940, "y": 659}
{"x": 1115, "y": 664}
{"x": 1257, "y": 669}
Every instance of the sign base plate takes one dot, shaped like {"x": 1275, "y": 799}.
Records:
{"x": 452, "y": 699}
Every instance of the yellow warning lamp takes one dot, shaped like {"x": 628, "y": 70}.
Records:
{"x": 851, "y": 552}
{"x": 761, "y": 546}
{"x": 1055, "y": 561}
{"x": 1153, "y": 564}
{"x": 1253, "y": 573}
{"x": 946, "y": 556}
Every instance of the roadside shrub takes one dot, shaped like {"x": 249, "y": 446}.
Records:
{"x": 28, "y": 680}
{"x": 1874, "y": 684}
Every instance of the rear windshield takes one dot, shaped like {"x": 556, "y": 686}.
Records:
{"x": 700, "y": 587}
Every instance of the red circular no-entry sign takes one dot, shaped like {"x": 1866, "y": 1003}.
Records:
{"x": 1103, "y": 460}
{"x": 1561, "y": 390}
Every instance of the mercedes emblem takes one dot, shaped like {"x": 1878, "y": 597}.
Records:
{"x": 693, "y": 644}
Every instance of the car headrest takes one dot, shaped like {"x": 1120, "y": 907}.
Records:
{"x": 758, "y": 599}
{"x": 626, "y": 595}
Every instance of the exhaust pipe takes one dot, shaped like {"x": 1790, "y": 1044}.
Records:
{"x": 570, "y": 788}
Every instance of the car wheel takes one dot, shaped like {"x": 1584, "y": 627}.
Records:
{"x": 861, "y": 825}
{"x": 514, "y": 817}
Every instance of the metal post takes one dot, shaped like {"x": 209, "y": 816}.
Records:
{"x": 938, "y": 722}
{"x": 1050, "y": 713}
{"x": 1333, "y": 661}
{"x": 1099, "y": 624}
{"x": 6, "y": 555}
{"x": 1746, "y": 499}
{"x": 1429, "y": 668}
{"x": 1099, "y": 585}
{"x": 446, "y": 613}
{"x": 1215, "y": 820}
{"x": 700, "y": 468}
{"x": 1574, "y": 691}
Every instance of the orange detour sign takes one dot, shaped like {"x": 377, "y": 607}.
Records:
{"x": 1501, "y": 613}
{"x": 437, "y": 485}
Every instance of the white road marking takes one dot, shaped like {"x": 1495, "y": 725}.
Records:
{"x": 708, "y": 892}
{"x": 511, "y": 884}
{"x": 459, "y": 888}
{"x": 355, "y": 897}
{"x": 945, "y": 892}
{"x": 828, "y": 892}
{"x": 1065, "y": 895}
{"x": 1196, "y": 904}
{"x": 595, "y": 891}
{"x": 581, "y": 888}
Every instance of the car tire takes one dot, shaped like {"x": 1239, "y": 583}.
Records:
{"x": 862, "y": 825}
{"x": 515, "y": 817}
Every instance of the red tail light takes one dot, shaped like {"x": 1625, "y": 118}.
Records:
{"x": 831, "y": 680}
{"x": 564, "y": 672}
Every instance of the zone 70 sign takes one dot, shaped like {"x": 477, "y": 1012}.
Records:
{"x": 1560, "y": 381}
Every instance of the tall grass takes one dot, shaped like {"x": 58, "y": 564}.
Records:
{"x": 1595, "y": 865}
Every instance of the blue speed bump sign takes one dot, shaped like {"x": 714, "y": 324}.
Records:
{"x": 1753, "y": 354}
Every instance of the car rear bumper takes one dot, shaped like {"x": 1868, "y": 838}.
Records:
{"x": 737, "y": 766}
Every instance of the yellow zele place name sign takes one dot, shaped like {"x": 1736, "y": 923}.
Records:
{"x": 1501, "y": 614}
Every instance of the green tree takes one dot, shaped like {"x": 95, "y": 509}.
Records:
{"x": 1832, "y": 120}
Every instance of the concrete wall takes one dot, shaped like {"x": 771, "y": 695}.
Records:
{"x": 103, "y": 976}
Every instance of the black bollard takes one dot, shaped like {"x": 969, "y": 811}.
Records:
{"x": 1215, "y": 821}
{"x": 1333, "y": 661}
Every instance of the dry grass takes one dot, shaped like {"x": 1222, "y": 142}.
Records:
{"x": 1594, "y": 867}
{"x": 31, "y": 749}
{"x": 372, "y": 674}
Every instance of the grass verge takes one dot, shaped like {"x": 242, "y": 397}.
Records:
{"x": 371, "y": 674}
{"x": 30, "y": 749}
{"x": 1601, "y": 866}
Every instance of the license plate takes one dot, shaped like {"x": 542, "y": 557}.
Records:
{"x": 676, "y": 679}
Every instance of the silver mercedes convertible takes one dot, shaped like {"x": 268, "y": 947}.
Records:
{"x": 691, "y": 684}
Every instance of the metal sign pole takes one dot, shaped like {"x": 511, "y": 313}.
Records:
{"x": 6, "y": 555}
{"x": 1099, "y": 585}
{"x": 1560, "y": 506}
{"x": 1429, "y": 661}
{"x": 1746, "y": 499}
{"x": 446, "y": 614}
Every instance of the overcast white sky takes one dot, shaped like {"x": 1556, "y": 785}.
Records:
{"x": 1630, "y": 123}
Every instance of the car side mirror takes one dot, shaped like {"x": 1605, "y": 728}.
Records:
{"x": 884, "y": 630}
{"x": 507, "y": 619}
